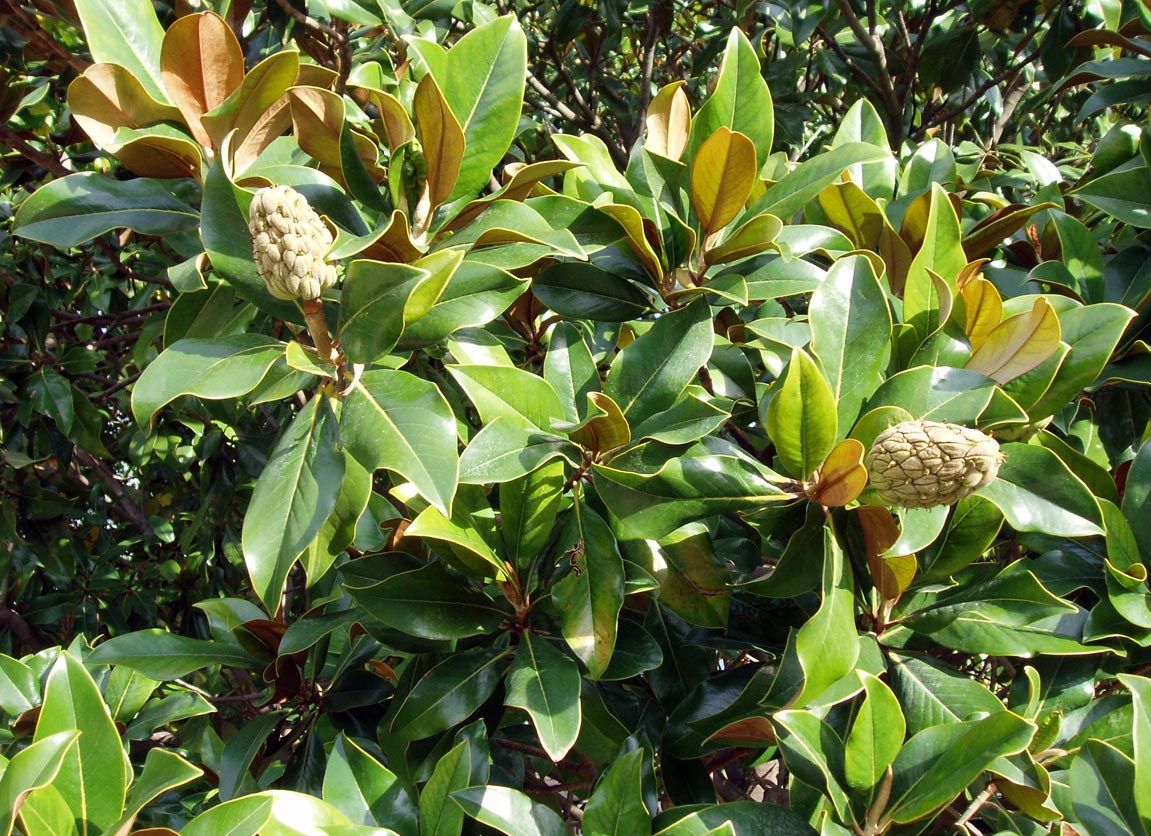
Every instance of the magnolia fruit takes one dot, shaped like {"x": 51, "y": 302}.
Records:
{"x": 289, "y": 245}
{"x": 921, "y": 464}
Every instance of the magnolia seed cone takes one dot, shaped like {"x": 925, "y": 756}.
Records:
{"x": 289, "y": 245}
{"x": 921, "y": 464}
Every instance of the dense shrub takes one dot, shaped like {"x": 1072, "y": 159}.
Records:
{"x": 557, "y": 512}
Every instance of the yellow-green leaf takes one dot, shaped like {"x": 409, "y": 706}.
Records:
{"x": 984, "y": 310}
{"x": 722, "y": 175}
{"x": 1018, "y": 344}
{"x": 669, "y": 122}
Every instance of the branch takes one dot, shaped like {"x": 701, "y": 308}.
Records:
{"x": 35, "y": 32}
{"x": 337, "y": 38}
{"x": 883, "y": 83}
{"x": 134, "y": 514}
{"x": 34, "y": 155}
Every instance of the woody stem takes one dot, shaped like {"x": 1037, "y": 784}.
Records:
{"x": 318, "y": 328}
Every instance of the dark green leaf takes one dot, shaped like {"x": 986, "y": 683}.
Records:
{"x": 293, "y": 497}
{"x": 77, "y": 208}
{"x": 394, "y": 420}
{"x": 546, "y": 684}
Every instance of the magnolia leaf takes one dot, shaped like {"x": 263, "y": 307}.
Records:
{"x": 546, "y": 684}
{"x": 442, "y": 140}
{"x": 669, "y": 122}
{"x": 800, "y": 417}
{"x": 202, "y": 65}
{"x": 1018, "y": 344}
{"x": 842, "y": 476}
{"x": 722, "y": 175}
{"x": 984, "y": 308}
{"x": 108, "y": 97}
{"x": 293, "y": 497}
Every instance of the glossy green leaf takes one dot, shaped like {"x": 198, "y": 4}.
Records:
{"x": 472, "y": 546}
{"x": 1122, "y": 194}
{"x": 851, "y": 326}
{"x": 1136, "y": 505}
{"x": 876, "y": 735}
{"x": 216, "y": 369}
{"x": 801, "y": 185}
{"x": 744, "y": 818}
{"x": 128, "y": 33}
{"x": 656, "y": 488}
{"x": 19, "y": 687}
{"x": 940, "y": 253}
{"x": 429, "y": 602}
{"x": 800, "y": 417}
{"x": 650, "y": 374}
{"x": 394, "y": 420}
{"x": 936, "y": 393}
{"x": 1102, "y": 784}
{"x": 931, "y": 693}
{"x": 571, "y": 370}
{"x": 293, "y": 497}
{"x": 77, "y": 208}
{"x": 93, "y": 776}
{"x": 1092, "y": 332}
{"x": 163, "y": 771}
{"x": 486, "y": 104}
{"x": 616, "y": 808}
{"x": 509, "y": 811}
{"x": 357, "y": 784}
{"x": 1140, "y": 687}
{"x": 971, "y": 530}
{"x": 241, "y": 750}
{"x": 439, "y": 816}
{"x": 590, "y": 596}
{"x": 528, "y": 510}
{"x": 814, "y": 754}
{"x": 46, "y": 813}
{"x": 508, "y": 449}
{"x": 449, "y": 693}
{"x": 1037, "y": 492}
{"x": 688, "y": 419}
{"x": 29, "y": 769}
{"x": 162, "y": 655}
{"x": 507, "y": 392}
{"x": 583, "y": 291}
{"x": 378, "y": 299}
{"x": 828, "y": 644}
{"x": 939, "y": 763}
{"x": 740, "y": 101}
{"x": 546, "y": 684}
{"x": 239, "y": 817}
{"x": 475, "y": 294}
{"x": 693, "y": 584}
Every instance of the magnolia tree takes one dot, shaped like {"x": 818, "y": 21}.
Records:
{"x": 492, "y": 480}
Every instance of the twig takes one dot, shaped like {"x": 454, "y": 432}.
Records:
{"x": 17, "y": 143}
{"x": 883, "y": 81}
{"x": 127, "y": 506}
{"x": 975, "y": 805}
{"x": 338, "y": 39}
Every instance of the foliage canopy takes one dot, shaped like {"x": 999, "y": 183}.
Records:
{"x": 552, "y": 516}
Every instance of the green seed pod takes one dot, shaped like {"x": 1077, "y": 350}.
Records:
{"x": 922, "y": 464}
{"x": 289, "y": 245}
